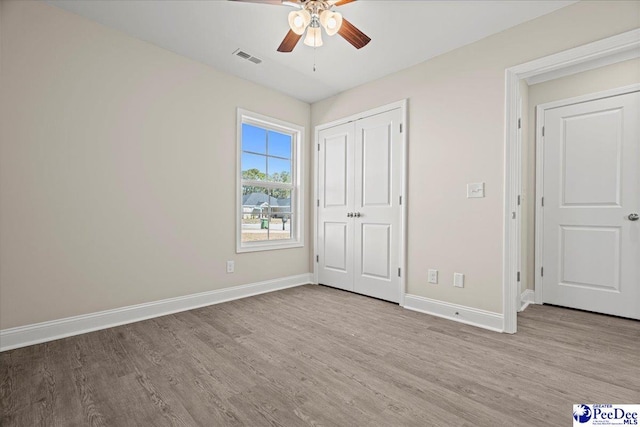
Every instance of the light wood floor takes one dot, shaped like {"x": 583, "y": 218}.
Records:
{"x": 317, "y": 356}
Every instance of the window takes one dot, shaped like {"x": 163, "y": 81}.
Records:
{"x": 269, "y": 183}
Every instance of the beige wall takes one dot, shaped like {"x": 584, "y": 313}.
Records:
{"x": 456, "y": 110}
{"x": 117, "y": 170}
{"x": 613, "y": 76}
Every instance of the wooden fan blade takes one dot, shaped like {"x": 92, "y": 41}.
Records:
{"x": 343, "y": 2}
{"x": 290, "y": 41}
{"x": 353, "y": 35}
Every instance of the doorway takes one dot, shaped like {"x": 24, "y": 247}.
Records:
{"x": 612, "y": 50}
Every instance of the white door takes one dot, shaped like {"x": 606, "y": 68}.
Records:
{"x": 359, "y": 214}
{"x": 377, "y": 206}
{"x": 335, "y": 205}
{"x": 591, "y": 242}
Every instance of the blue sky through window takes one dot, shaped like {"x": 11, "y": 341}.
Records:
{"x": 254, "y": 140}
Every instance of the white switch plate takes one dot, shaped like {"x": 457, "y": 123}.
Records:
{"x": 458, "y": 280}
{"x": 433, "y": 276}
{"x": 231, "y": 266}
{"x": 475, "y": 189}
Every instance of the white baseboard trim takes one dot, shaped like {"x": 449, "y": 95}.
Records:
{"x": 526, "y": 298}
{"x": 459, "y": 313}
{"x": 23, "y": 336}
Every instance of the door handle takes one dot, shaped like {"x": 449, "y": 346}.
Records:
{"x": 357, "y": 215}
{"x": 349, "y": 214}
{"x": 633, "y": 217}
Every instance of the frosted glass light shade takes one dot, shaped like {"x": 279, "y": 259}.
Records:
{"x": 299, "y": 20}
{"x": 314, "y": 37}
{"x": 331, "y": 21}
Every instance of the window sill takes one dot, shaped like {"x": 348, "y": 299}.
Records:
{"x": 257, "y": 247}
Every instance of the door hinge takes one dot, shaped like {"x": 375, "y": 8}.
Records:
{"x": 399, "y": 271}
{"x": 542, "y": 271}
{"x": 318, "y": 203}
{"x": 513, "y": 215}
{"x": 518, "y": 200}
{"x": 318, "y": 147}
{"x": 542, "y": 130}
{"x": 400, "y": 199}
{"x": 518, "y": 278}
{"x": 400, "y": 127}
{"x": 542, "y": 201}
{"x": 317, "y": 258}
{"x": 519, "y": 124}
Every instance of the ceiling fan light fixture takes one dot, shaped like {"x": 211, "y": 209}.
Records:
{"x": 314, "y": 37}
{"x": 331, "y": 21}
{"x": 299, "y": 20}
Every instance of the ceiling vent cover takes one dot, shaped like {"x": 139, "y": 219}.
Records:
{"x": 248, "y": 57}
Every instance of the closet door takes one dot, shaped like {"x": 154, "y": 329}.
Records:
{"x": 335, "y": 195}
{"x": 377, "y": 190}
{"x": 359, "y": 188}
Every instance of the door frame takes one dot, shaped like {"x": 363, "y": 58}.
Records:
{"x": 402, "y": 105}
{"x": 539, "y": 212}
{"x": 582, "y": 58}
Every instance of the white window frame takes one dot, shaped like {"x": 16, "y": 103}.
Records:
{"x": 297, "y": 193}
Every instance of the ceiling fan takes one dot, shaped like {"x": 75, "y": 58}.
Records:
{"x": 310, "y": 17}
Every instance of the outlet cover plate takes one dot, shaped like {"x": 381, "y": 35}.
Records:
{"x": 458, "y": 280}
{"x": 433, "y": 276}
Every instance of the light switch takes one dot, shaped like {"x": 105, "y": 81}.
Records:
{"x": 475, "y": 190}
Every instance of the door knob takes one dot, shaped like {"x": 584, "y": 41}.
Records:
{"x": 633, "y": 217}
{"x": 357, "y": 214}
{"x": 349, "y": 214}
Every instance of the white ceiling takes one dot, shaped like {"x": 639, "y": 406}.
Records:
{"x": 403, "y": 33}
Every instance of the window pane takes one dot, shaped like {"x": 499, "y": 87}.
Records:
{"x": 254, "y": 139}
{"x": 279, "y": 145}
{"x": 256, "y": 203}
{"x": 254, "y": 166}
{"x": 279, "y": 170}
{"x": 281, "y": 217}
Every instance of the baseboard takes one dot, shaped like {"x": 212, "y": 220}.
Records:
{"x": 526, "y": 298}
{"x": 23, "y": 336}
{"x": 459, "y": 313}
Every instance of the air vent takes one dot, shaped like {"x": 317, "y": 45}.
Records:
{"x": 245, "y": 55}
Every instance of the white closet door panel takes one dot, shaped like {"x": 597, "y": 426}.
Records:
{"x": 335, "y": 192}
{"x": 376, "y": 165}
{"x": 378, "y": 173}
{"x": 376, "y": 263}
{"x": 335, "y": 188}
{"x": 336, "y": 256}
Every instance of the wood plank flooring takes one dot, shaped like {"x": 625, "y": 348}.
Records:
{"x": 316, "y": 356}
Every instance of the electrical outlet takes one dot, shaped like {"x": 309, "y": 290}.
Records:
{"x": 231, "y": 266}
{"x": 433, "y": 276}
{"x": 458, "y": 280}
